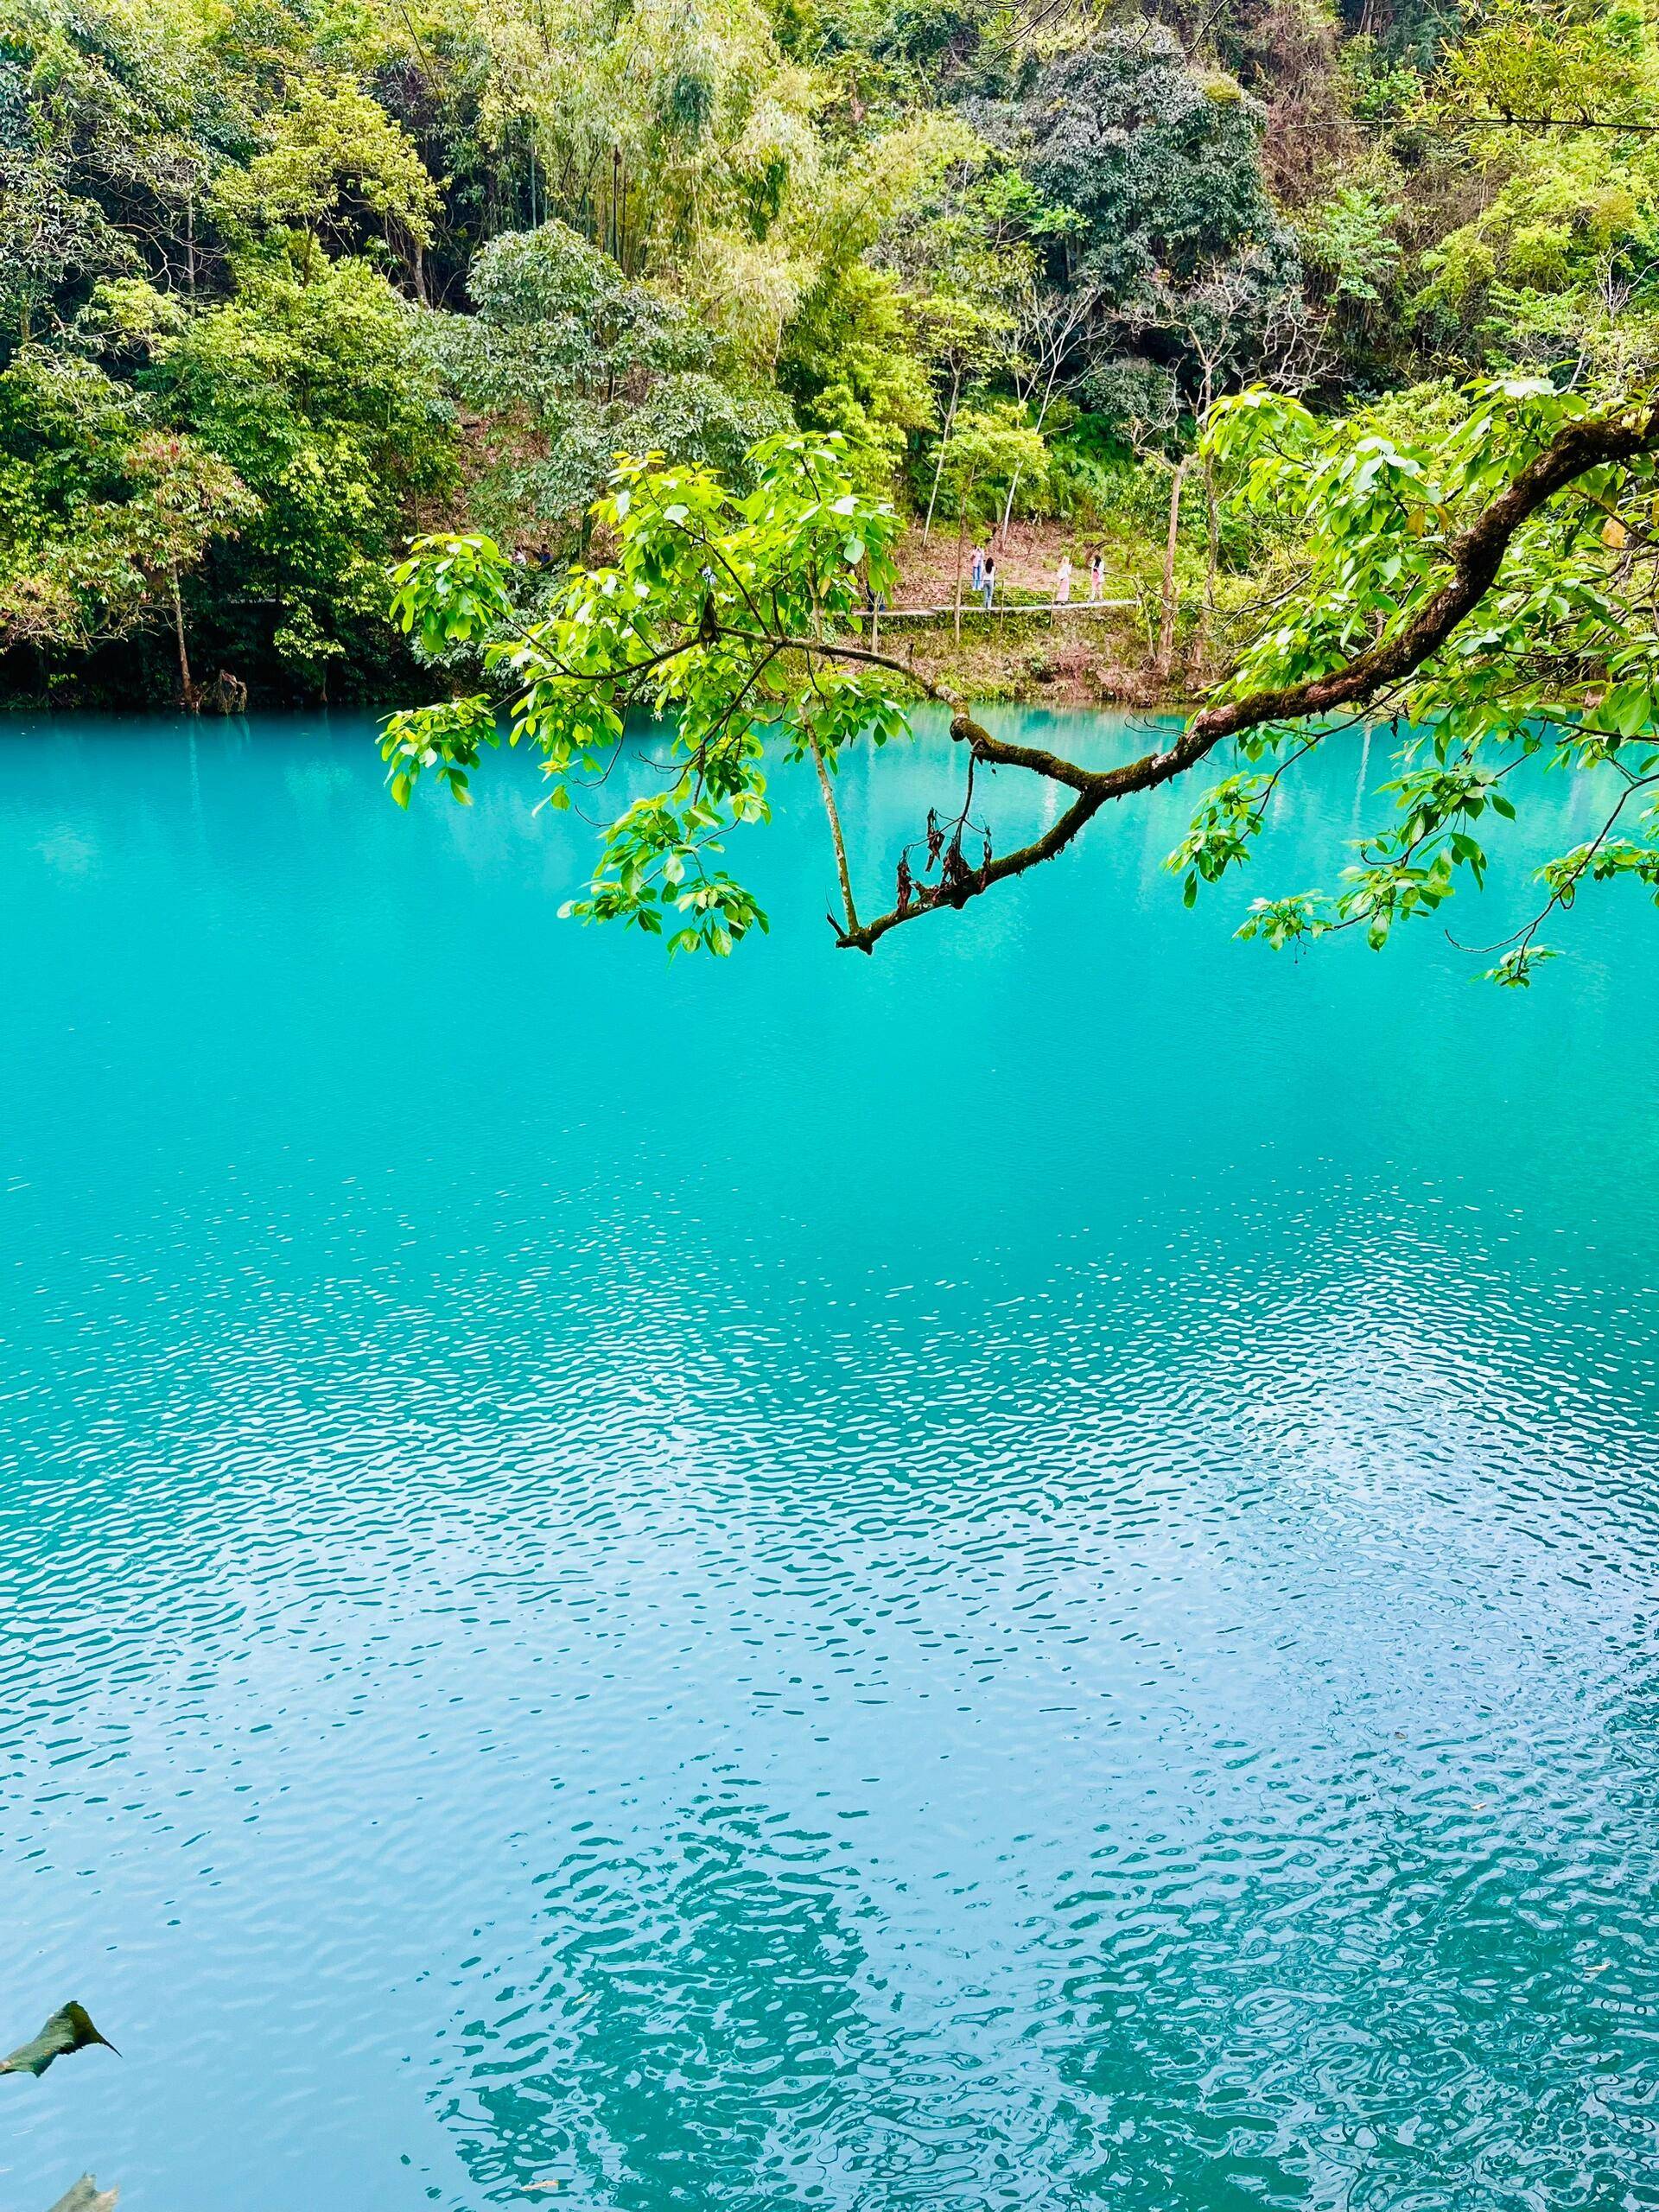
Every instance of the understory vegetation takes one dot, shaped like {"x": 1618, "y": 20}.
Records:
{"x": 285, "y": 282}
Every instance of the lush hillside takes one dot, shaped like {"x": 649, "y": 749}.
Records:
{"x": 281, "y": 283}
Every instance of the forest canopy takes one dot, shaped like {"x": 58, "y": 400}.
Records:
{"x": 282, "y": 285}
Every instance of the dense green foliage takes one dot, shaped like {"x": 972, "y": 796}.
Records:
{"x": 1560, "y": 657}
{"x": 682, "y": 616}
{"x": 284, "y": 286}
{"x": 1482, "y": 571}
{"x": 283, "y": 283}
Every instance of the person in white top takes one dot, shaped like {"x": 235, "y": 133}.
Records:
{"x": 1097, "y": 577}
{"x": 1063, "y": 581}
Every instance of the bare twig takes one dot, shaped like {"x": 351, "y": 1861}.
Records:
{"x": 840, "y": 843}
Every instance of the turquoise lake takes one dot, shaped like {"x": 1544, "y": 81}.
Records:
{"x": 1022, "y": 1574}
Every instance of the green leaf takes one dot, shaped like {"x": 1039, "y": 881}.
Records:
{"x": 69, "y": 2029}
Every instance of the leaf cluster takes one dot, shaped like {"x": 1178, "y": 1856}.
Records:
{"x": 710, "y": 613}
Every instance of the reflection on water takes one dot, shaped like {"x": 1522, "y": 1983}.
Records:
{"x": 1019, "y": 1573}
{"x": 690, "y": 2022}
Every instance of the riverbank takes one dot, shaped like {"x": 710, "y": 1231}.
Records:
{"x": 1026, "y": 648}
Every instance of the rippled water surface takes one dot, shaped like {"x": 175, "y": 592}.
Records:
{"x": 1021, "y": 1574}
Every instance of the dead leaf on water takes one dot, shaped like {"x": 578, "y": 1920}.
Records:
{"x": 70, "y": 2028}
{"x": 86, "y": 2197}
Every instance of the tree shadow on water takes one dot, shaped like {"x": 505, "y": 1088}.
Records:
{"x": 692, "y": 2030}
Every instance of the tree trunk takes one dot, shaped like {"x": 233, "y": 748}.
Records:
{"x": 1167, "y": 628}
{"x": 1042, "y": 417}
{"x": 962, "y": 527}
{"x": 186, "y": 689}
{"x": 1213, "y": 559}
{"x": 938, "y": 466}
{"x": 1008, "y": 509}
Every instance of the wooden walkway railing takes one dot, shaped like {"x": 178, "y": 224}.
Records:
{"x": 976, "y": 607}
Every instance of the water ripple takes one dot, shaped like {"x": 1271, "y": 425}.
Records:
{"x": 841, "y": 1585}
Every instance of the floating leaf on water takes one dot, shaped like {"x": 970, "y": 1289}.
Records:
{"x": 70, "y": 2028}
{"x": 86, "y": 2197}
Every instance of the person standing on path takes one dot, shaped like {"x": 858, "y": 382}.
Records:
{"x": 988, "y": 574}
{"x": 1096, "y": 579}
{"x": 1063, "y": 581}
{"x": 977, "y": 571}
